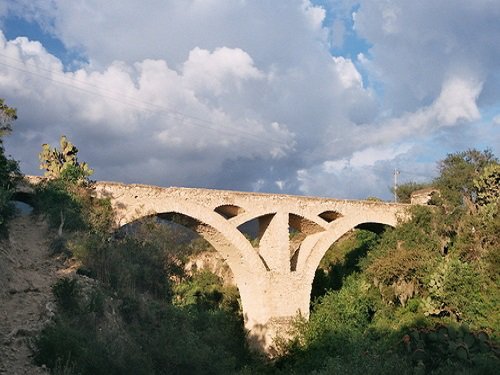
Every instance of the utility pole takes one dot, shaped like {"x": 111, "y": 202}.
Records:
{"x": 396, "y": 173}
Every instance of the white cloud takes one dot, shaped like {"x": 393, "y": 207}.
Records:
{"x": 315, "y": 14}
{"x": 390, "y": 18}
{"x": 455, "y": 104}
{"x": 347, "y": 72}
{"x": 221, "y": 70}
{"x": 457, "y": 101}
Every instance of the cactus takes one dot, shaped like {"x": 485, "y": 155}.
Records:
{"x": 469, "y": 340}
{"x": 461, "y": 352}
{"x": 429, "y": 347}
{"x": 63, "y": 163}
{"x": 419, "y": 355}
{"x": 452, "y": 333}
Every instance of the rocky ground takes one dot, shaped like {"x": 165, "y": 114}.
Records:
{"x": 27, "y": 273}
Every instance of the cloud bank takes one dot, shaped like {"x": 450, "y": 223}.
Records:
{"x": 249, "y": 95}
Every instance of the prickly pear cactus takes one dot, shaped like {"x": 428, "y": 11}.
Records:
{"x": 63, "y": 163}
{"x": 429, "y": 347}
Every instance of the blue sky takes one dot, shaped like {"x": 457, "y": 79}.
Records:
{"x": 15, "y": 26}
{"x": 318, "y": 98}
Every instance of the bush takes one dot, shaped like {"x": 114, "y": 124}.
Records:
{"x": 60, "y": 204}
{"x": 67, "y": 294}
{"x": 70, "y": 207}
{"x": 205, "y": 290}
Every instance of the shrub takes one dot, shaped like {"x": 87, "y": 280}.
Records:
{"x": 205, "y": 290}
{"x": 67, "y": 292}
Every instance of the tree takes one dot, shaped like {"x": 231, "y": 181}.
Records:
{"x": 9, "y": 169}
{"x": 63, "y": 164}
{"x": 7, "y": 115}
{"x": 457, "y": 174}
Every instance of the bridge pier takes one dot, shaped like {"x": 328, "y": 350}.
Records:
{"x": 270, "y": 305}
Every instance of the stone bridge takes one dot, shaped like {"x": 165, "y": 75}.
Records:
{"x": 275, "y": 276}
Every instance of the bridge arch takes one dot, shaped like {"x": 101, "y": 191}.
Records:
{"x": 236, "y": 250}
{"x": 229, "y": 242}
{"x": 336, "y": 230}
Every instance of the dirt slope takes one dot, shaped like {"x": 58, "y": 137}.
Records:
{"x": 26, "y": 304}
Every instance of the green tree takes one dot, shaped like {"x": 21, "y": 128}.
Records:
{"x": 457, "y": 174}
{"x": 7, "y": 115}
{"x": 9, "y": 169}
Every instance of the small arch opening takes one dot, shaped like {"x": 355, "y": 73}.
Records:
{"x": 254, "y": 229}
{"x": 23, "y": 203}
{"x": 229, "y": 211}
{"x": 330, "y": 216}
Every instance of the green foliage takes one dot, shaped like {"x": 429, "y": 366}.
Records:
{"x": 127, "y": 266}
{"x": 7, "y": 115}
{"x": 348, "y": 310}
{"x": 341, "y": 260}
{"x": 154, "y": 336}
{"x": 71, "y": 206}
{"x": 487, "y": 185}
{"x": 75, "y": 342}
{"x": 405, "y": 254}
{"x": 63, "y": 164}
{"x": 9, "y": 169}
{"x": 61, "y": 202}
{"x": 457, "y": 288}
{"x": 206, "y": 290}
{"x": 6, "y": 210}
{"x": 457, "y": 174}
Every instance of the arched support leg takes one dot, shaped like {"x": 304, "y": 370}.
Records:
{"x": 272, "y": 304}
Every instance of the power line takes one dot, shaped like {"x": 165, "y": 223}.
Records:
{"x": 138, "y": 103}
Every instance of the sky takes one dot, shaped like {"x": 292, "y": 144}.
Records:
{"x": 322, "y": 98}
